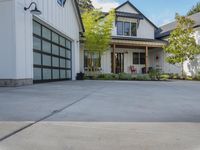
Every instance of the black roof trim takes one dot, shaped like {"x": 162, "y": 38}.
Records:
{"x": 79, "y": 15}
{"x": 127, "y": 2}
{"x": 137, "y": 39}
{"x": 129, "y": 15}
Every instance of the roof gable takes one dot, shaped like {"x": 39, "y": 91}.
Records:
{"x": 130, "y": 8}
{"x": 126, "y": 7}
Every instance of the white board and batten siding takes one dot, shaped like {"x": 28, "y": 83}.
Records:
{"x": 145, "y": 29}
{"x": 18, "y": 39}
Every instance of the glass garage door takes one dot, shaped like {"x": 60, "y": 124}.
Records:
{"x": 51, "y": 55}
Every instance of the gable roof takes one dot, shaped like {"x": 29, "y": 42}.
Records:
{"x": 129, "y": 3}
{"x": 165, "y": 30}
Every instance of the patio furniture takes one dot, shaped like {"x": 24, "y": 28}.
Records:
{"x": 133, "y": 69}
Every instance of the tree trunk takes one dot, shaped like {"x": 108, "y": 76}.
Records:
{"x": 182, "y": 71}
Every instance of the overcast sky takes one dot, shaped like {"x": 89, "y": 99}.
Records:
{"x": 158, "y": 11}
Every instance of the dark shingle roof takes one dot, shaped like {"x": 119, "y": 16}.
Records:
{"x": 165, "y": 30}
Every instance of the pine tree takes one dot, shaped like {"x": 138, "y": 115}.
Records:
{"x": 195, "y": 9}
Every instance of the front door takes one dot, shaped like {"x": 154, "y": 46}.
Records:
{"x": 119, "y": 62}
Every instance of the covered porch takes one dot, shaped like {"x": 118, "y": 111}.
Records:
{"x": 131, "y": 55}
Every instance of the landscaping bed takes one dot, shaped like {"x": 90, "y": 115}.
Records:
{"x": 151, "y": 76}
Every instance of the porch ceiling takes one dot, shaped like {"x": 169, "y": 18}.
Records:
{"x": 137, "y": 42}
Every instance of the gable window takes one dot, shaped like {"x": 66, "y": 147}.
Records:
{"x": 139, "y": 58}
{"x": 133, "y": 29}
{"x": 127, "y": 28}
{"x": 119, "y": 28}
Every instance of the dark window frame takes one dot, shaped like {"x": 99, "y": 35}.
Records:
{"x": 131, "y": 32}
{"x": 122, "y": 32}
{"x": 53, "y": 55}
{"x": 135, "y": 34}
{"x": 129, "y": 25}
{"x": 140, "y": 60}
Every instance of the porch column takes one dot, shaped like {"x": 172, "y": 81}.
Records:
{"x": 146, "y": 58}
{"x": 114, "y": 46}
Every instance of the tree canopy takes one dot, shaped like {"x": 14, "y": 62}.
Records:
{"x": 182, "y": 44}
{"x": 195, "y": 9}
{"x": 97, "y": 35}
{"x": 98, "y": 28}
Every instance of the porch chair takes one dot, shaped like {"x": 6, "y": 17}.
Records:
{"x": 133, "y": 69}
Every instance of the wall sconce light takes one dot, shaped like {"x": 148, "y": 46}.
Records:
{"x": 126, "y": 52}
{"x": 34, "y": 11}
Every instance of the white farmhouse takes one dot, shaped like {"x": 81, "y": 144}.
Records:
{"x": 137, "y": 45}
{"x": 134, "y": 47}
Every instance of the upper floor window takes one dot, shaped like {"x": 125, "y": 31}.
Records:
{"x": 119, "y": 28}
{"x": 126, "y": 28}
{"x": 133, "y": 29}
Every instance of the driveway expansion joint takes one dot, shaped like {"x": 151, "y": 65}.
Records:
{"x": 48, "y": 116}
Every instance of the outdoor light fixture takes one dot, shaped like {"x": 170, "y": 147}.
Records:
{"x": 34, "y": 11}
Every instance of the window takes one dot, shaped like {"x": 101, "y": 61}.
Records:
{"x": 127, "y": 28}
{"x": 133, "y": 29}
{"x": 119, "y": 28}
{"x": 139, "y": 58}
{"x": 46, "y": 33}
{"x": 96, "y": 59}
{"x": 142, "y": 58}
{"x": 136, "y": 58}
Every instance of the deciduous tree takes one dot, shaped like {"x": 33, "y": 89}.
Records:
{"x": 98, "y": 28}
{"x": 182, "y": 44}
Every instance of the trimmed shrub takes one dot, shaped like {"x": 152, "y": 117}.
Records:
{"x": 108, "y": 76}
{"x": 125, "y": 76}
{"x": 197, "y": 77}
{"x": 165, "y": 77}
{"x": 155, "y": 74}
{"x": 144, "y": 77}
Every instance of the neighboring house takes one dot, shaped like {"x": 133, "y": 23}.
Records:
{"x": 42, "y": 47}
{"x": 134, "y": 47}
{"x": 190, "y": 68}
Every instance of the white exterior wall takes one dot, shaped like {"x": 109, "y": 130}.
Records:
{"x": 145, "y": 29}
{"x": 7, "y": 40}
{"x": 128, "y": 60}
{"x": 153, "y": 61}
{"x": 17, "y": 25}
{"x": 106, "y": 62}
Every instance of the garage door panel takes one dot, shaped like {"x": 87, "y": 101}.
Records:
{"x": 51, "y": 54}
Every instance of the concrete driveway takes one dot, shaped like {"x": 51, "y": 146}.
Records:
{"x": 101, "y": 115}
